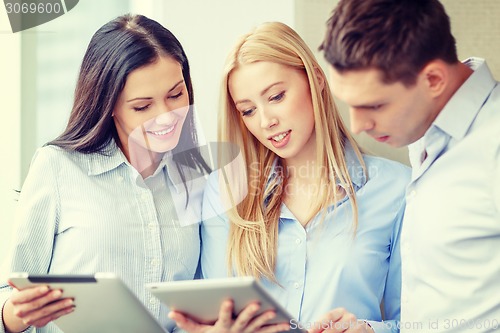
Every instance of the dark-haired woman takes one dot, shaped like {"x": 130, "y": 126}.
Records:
{"x": 120, "y": 189}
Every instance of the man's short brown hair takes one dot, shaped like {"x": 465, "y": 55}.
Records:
{"x": 398, "y": 37}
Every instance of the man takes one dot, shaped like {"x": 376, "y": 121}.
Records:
{"x": 394, "y": 63}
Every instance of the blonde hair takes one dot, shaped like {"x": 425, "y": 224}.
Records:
{"x": 253, "y": 235}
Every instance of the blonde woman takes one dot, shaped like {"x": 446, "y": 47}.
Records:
{"x": 320, "y": 223}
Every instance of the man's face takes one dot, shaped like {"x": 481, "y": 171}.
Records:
{"x": 390, "y": 113}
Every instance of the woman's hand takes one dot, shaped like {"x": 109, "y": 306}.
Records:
{"x": 35, "y": 306}
{"x": 246, "y": 322}
{"x": 340, "y": 320}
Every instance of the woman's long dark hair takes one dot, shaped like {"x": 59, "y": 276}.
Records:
{"x": 116, "y": 49}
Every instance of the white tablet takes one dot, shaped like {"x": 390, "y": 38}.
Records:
{"x": 201, "y": 299}
{"x": 103, "y": 303}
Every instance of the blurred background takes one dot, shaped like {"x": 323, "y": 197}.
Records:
{"x": 39, "y": 66}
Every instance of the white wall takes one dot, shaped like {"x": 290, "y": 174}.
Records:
{"x": 10, "y": 140}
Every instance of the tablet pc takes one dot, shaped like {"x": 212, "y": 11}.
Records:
{"x": 103, "y": 303}
{"x": 201, "y": 299}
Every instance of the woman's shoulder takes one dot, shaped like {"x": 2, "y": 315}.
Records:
{"x": 59, "y": 158}
{"x": 50, "y": 154}
{"x": 383, "y": 169}
{"x": 49, "y": 163}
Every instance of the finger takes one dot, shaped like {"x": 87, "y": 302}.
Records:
{"x": 327, "y": 321}
{"x": 260, "y": 321}
{"x": 274, "y": 328}
{"x": 225, "y": 314}
{"x": 47, "y": 311}
{"x": 260, "y": 324}
{"x": 178, "y": 317}
{"x": 187, "y": 324}
{"x": 336, "y": 327}
{"x": 22, "y": 309}
{"x": 347, "y": 323}
{"x": 28, "y": 294}
{"x": 245, "y": 316}
{"x": 44, "y": 321}
{"x": 354, "y": 326}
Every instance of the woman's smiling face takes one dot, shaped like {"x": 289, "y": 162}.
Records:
{"x": 275, "y": 104}
{"x": 152, "y": 107}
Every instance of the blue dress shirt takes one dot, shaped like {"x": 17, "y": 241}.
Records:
{"x": 321, "y": 266}
{"x": 87, "y": 213}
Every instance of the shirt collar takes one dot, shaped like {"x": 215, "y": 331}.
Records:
{"x": 170, "y": 167}
{"x": 355, "y": 168}
{"x": 461, "y": 110}
{"x": 112, "y": 157}
{"x": 356, "y": 171}
{"x": 458, "y": 115}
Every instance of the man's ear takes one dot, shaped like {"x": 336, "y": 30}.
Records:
{"x": 436, "y": 77}
{"x": 321, "y": 78}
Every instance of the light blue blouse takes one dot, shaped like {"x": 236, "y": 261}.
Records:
{"x": 86, "y": 213}
{"x": 321, "y": 266}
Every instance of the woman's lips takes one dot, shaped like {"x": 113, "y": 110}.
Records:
{"x": 163, "y": 132}
{"x": 280, "y": 140}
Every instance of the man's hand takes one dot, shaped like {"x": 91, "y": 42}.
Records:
{"x": 340, "y": 320}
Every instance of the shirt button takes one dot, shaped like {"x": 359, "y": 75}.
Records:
{"x": 298, "y": 241}
{"x": 296, "y": 285}
{"x": 151, "y": 226}
{"x": 155, "y": 262}
{"x": 144, "y": 196}
{"x": 120, "y": 178}
{"x": 152, "y": 300}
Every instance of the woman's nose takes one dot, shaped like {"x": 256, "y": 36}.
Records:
{"x": 267, "y": 120}
{"x": 165, "y": 118}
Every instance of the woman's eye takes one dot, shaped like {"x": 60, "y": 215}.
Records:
{"x": 176, "y": 96}
{"x": 141, "y": 108}
{"x": 247, "y": 112}
{"x": 278, "y": 97}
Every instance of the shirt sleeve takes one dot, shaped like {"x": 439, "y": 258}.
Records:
{"x": 392, "y": 293}
{"x": 35, "y": 222}
{"x": 214, "y": 232}
{"x": 2, "y": 326}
